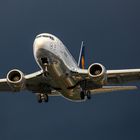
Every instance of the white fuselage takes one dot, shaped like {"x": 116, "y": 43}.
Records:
{"x": 54, "y": 58}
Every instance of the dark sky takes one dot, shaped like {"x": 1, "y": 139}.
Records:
{"x": 111, "y": 30}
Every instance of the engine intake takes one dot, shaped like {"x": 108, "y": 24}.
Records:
{"x": 16, "y": 80}
{"x": 98, "y": 73}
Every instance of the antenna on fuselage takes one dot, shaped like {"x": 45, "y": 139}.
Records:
{"x": 81, "y": 61}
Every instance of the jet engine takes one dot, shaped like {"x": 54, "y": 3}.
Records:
{"x": 16, "y": 80}
{"x": 98, "y": 73}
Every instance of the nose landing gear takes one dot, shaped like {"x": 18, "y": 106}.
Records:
{"x": 44, "y": 61}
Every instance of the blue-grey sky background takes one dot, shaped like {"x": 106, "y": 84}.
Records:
{"x": 111, "y": 30}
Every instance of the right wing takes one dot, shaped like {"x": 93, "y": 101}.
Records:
{"x": 113, "y": 76}
{"x": 123, "y": 76}
{"x": 105, "y": 89}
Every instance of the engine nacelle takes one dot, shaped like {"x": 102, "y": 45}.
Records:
{"x": 16, "y": 80}
{"x": 98, "y": 73}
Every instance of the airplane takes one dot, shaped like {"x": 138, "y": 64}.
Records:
{"x": 61, "y": 75}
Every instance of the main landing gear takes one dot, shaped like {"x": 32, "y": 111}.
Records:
{"x": 84, "y": 94}
{"x": 42, "y": 98}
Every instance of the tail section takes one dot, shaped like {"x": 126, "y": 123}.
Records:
{"x": 81, "y": 61}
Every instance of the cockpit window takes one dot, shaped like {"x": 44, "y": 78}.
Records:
{"x": 46, "y": 36}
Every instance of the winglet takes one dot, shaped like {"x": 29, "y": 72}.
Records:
{"x": 81, "y": 61}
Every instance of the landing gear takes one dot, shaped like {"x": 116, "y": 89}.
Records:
{"x": 88, "y": 94}
{"x": 46, "y": 98}
{"x": 84, "y": 94}
{"x": 44, "y": 61}
{"x": 39, "y": 98}
{"x": 42, "y": 98}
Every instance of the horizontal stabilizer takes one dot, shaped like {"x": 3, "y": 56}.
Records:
{"x": 105, "y": 89}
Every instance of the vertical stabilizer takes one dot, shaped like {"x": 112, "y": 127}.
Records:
{"x": 81, "y": 61}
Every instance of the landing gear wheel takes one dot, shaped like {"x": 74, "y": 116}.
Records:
{"x": 46, "y": 99}
{"x": 82, "y": 94}
{"x": 39, "y": 98}
{"x": 42, "y": 98}
{"x": 88, "y": 94}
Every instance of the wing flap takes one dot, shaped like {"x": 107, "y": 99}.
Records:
{"x": 105, "y": 89}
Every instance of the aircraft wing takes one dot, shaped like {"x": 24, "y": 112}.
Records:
{"x": 35, "y": 82}
{"x": 4, "y": 86}
{"x": 32, "y": 80}
{"x": 123, "y": 76}
{"x": 38, "y": 83}
{"x": 105, "y": 89}
{"x": 115, "y": 76}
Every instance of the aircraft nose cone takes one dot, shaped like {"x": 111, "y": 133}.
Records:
{"x": 39, "y": 43}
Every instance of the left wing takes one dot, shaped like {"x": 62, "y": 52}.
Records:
{"x": 31, "y": 82}
{"x": 35, "y": 82}
{"x": 4, "y": 86}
